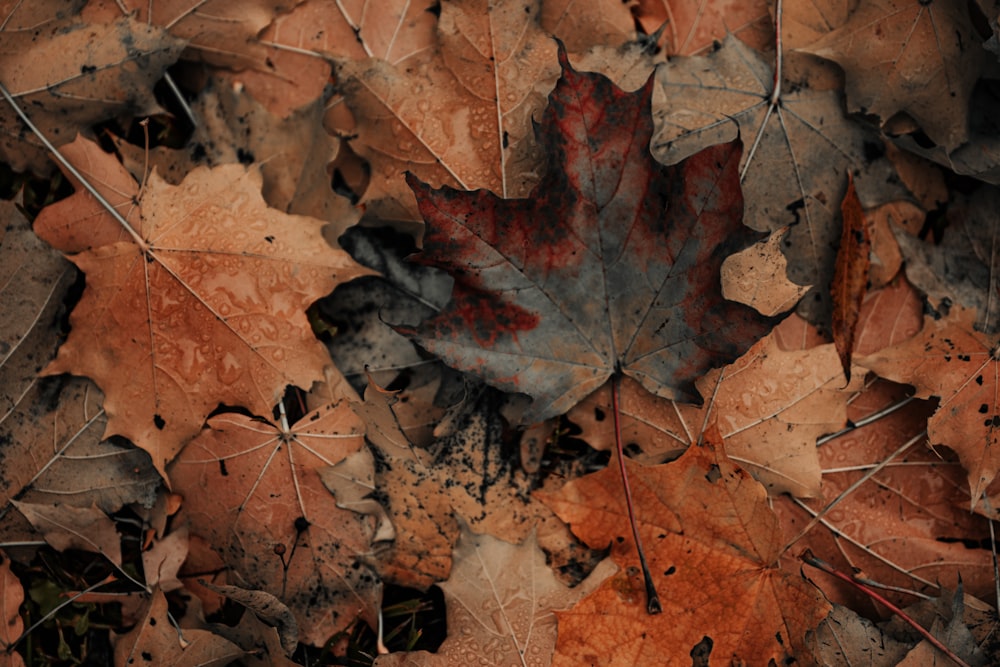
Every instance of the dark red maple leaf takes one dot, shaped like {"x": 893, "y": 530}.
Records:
{"x": 612, "y": 264}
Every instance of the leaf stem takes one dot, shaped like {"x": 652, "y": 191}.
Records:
{"x": 653, "y": 605}
{"x": 810, "y": 559}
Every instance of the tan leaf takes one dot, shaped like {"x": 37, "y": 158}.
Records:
{"x": 266, "y": 607}
{"x": 757, "y": 277}
{"x": 501, "y": 600}
{"x": 72, "y": 75}
{"x": 952, "y": 360}
{"x": 85, "y": 528}
{"x": 582, "y": 24}
{"x": 712, "y": 544}
{"x": 770, "y": 405}
{"x": 155, "y": 640}
{"x": 253, "y": 491}
{"x": 692, "y": 26}
{"x": 457, "y": 115}
{"x": 900, "y": 56}
{"x": 203, "y": 304}
{"x": 162, "y": 562}
{"x": 802, "y": 23}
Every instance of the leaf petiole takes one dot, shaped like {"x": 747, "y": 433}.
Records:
{"x": 653, "y": 605}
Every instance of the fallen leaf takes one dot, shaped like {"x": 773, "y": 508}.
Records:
{"x": 11, "y": 627}
{"x": 888, "y": 316}
{"x": 901, "y": 526}
{"x": 266, "y": 607}
{"x": 952, "y": 360}
{"x": 922, "y": 60}
{"x": 770, "y": 406}
{"x": 500, "y": 599}
{"x": 259, "y": 641}
{"x": 155, "y": 640}
{"x": 162, "y": 562}
{"x": 612, "y": 281}
{"x": 712, "y": 544}
{"x": 850, "y": 275}
{"x": 804, "y": 149}
{"x": 803, "y": 23}
{"x": 253, "y": 491}
{"x": 203, "y": 303}
{"x": 691, "y": 27}
{"x": 582, "y": 25}
{"x": 85, "y": 528}
{"x": 964, "y": 268}
{"x": 460, "y": 114}
{"x": 72, "y": 75}
{"x": 845, "y": 638}
{"x": 757, "y": 277}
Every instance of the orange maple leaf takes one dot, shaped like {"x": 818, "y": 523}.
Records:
{"x": 196, "y": 297}
{"x": 713, "y": 546}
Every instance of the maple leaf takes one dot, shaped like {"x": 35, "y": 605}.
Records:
{"x": 804, "y": 148}
{"x": 691, "y": 27}
{"x": 253, "y": 491}
{"x": 950, "y": 359}
{"x": 459, "y": 114}
{"x": 72, "y": 75}
{"x": 500, "y": 599}
{"x": 198, "y": 298}
{"x": 770, "y": 405}
{"x": 611, "y": 265}
{"x": 900, "y": 527}
{"x": 711, "y": 541}
{"x": 917, "y": 58}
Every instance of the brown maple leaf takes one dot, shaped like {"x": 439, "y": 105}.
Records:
{"x": 919, "y": 58}
{"x": 950, "y": 359}
{"x": 501, "y": 600}
{"x": 253, "y": 490}
{"x": 712, "y": 542}
{"x": 692, "y": 26}
{"x": 611, "y": 265}
{"x": 195, "y": 297}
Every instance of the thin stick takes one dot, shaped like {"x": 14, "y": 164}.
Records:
{"x": 809, "y": 558}
{"x": 653, "y": 605}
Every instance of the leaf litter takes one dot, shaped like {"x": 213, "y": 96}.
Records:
{"x": 282, "y": 120}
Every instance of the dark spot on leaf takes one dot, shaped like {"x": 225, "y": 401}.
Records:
{"x": 244, "y": 156}
{"x": 983, "y": 409}
{"x": 88, "y": 69}
{"x": 599, "y": 415}
{"x": 146, "y": 655}
{"x": 713, "y": 475}
{"x": 669, "y": 571}
{"x": 301, "y": 524}
{"x": 701, "y": 651}
{"x": 159, "y": 422}
{"x": 979, "y": 380}
{"x": 269, "y": 238}
{"x": 222, "y": 468}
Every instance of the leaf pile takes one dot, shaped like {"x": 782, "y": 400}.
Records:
{"x": 312, "y": 304}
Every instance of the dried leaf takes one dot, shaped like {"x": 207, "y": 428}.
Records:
{"x": 613, "y": 281}
{"x": 953, "y": 361}
{"x": 72, "y": 75}
{"x": 85, "y": 528}
{"x": 500, "y": 600}
{"x": 920, "y": 59}
{"x": 757, "y": 277}
{"x": 155, "y": 640}
{"x": 266, "y": 607}
{"x": 11, "y": 626}
{"x": 693, "y": 26}
{"x": 712, "y": 544}
{"x": 253, "y": 491}
{"x": 204, "y": 303}
{"x": 850, "y": 275}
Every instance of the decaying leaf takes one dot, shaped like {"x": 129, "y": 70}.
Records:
{"x": 501, "y": 598}
{"x": 266, "y": 607}
{"x": 460, "y": 114}
{"x": 952, "y": 360}
{"x": 202, "y": 300}
{"x": 757, "y": 277}
{"x": 73, "y": 75}
{"x": 770, "y": 406}
{"x": 85, "y": 528}
{"x": 712, "y": 544}
{"x": 850, "y": 275}
{"x": 253, "y": 491}
{"x": 919, "y": 59}
{"x": 155, "y": 640}
{"x": 592, "y": 275}
{"x": 691, "y": 27}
